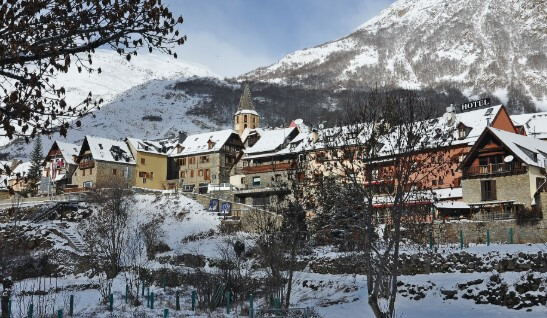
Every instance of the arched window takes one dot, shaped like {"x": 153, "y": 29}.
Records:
{"x": 254, "y": 119}
{"x": 245, "y": 118}
{"x": 237, "y": 119}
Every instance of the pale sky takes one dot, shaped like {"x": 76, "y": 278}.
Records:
{"x": 232, "y": 37}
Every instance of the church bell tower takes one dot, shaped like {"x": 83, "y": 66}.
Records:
{"x": 246, "y": 115}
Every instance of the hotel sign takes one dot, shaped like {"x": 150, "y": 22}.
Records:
{"x": 475, "y": 104}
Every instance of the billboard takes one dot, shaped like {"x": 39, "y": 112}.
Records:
{"x": 474, "y": 104}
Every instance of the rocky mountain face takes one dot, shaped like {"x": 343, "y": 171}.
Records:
{"x": 481, "y": 48}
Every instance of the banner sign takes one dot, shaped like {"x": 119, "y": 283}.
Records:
{"x": 226, "y": 208}
{"x": 475, "y": 104}
{"x": 213, "y": 205}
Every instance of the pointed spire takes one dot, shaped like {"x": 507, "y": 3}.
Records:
{"x": 246, "y": 100}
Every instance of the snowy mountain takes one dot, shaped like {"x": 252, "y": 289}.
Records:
{"x": 492, "y": 47}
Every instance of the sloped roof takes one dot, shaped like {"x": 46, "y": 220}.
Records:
{"x": 68, "y": 151}
{"x": 148, "y": 146}
{"x": 477, "y": 120}
{"x": 534, "y": 124}
{"x": 270, "y": 140}
{"x": 199, "y": 143}
{"x": 20, "y": 171}
{"x": 103, "y": 149}
{"x": 520, "y": 145}
{"x": 246, "y": 100}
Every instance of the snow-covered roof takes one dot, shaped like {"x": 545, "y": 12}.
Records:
{"x": 148, "y": 146}
{"x": 534, "y": 124}
{"x": 477, "y": 120}
{"x": 203, "y": 143}
{"x": 69, "y": 151}
{"x": 530, "y": 150}
{"x": 20, "y": 171}
{"x": 270, "y": 140}
{"x": 247, "y": 111}
{"x": 103, "y": 149}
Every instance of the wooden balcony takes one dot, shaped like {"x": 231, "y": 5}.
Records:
{"x": 86, "y": 164}
{"x": 494, "y": 169}
{"x": 268, "y": 168}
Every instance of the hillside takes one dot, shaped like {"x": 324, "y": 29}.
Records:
{"x": 481, "y": 48}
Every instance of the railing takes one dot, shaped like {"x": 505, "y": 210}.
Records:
{"x": 266, "y": 168}
{"x": 86, "y": 164}
{"x": 498, "y": 168}
{"x": 71, "y": 190}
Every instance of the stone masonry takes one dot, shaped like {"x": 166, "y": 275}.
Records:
{"x": 510, "y": 187}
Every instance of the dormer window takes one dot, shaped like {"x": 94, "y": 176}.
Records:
{"x": 179, "y": 148}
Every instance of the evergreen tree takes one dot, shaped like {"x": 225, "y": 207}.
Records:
{"x": 36, "y": 158}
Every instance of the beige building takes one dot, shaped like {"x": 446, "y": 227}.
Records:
{"x": 151, "y": 163}
{"x": 103, "y": 163}
{"x": 202, "y": 159}
{"x": 503, "y": 173}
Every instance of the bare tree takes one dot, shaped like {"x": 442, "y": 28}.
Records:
{"x": 373, "y": 176}
{"x": 107, "y": 231}
{"x": 39, "y": 38}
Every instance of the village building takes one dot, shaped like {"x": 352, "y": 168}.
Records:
{"x": 103, "y": 163}
{"x": 203, "y": 159}
{"x": 151, "y": 162}
{"x": 503, "y": 174}
{"x": 266, "y": 168}
{"x": 58, "y": 167}
{"x": 18, "y": 178}
{"x": 533, "y": 125}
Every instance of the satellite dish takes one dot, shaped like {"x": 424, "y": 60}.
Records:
{"x": 508, "y": 158}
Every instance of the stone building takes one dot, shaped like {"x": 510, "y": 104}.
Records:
{"x": 151, "y": 162}
{"x": 103, "y": 163}
{"x": 202, "y": 159}
{"x": 502, "y": 173}
{"x": 58, "y": 167}
{"x": 246, "y": 115}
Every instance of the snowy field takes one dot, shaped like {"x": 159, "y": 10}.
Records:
{"x": 190, "y": 229}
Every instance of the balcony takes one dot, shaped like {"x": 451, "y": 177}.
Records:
{"x": 494, "y": 169}
{"x": 268, "y": 168}
{"x": 86, "y": 164}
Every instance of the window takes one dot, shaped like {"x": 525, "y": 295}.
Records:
{"x": 237, "y": 119}
{"x": 143, "y": 161}
{"x": 539, "y": 182}
{"x": 151, "y": 174}
{"x": 245, "y": 126}
{"x": 245, "y": 118}
{"x": 179, "y": 149}
{"x": 277, "y": 177}
{"x": 254, "y": 120}
{"x": 90, "y": 171}
{"x": 88, "y": 184}
{"x": 256, "y": 181}
{"x": 114, "y": 172}
{"x": 83, "y": 172}
{"x": 461, "y": 132}
{"x": 441, "y": 181}
{"x": 461, "y": 157}
{"x": 434, "y": 183}
{"x": 242, "y": 180}
{"x": 142, "y": 174}
{"x": 143, "y": 180}
{"x": 182, "y": 174}
{"x": 192, "y": 160}
{"x": 207, "y": 174}
{"x": 191, "y": 173}
{"x": 488, "y": 190}
{"x": 200, "y": 173}
{"x": 203, "y": 159}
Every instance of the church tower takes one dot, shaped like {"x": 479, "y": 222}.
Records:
{"x": 246, "y": 115}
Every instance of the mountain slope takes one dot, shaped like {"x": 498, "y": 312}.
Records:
{"x": 490, "y": 47}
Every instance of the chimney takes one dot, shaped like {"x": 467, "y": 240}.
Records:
{"x": 315, "y": 135}
{"x": 450, "y": 115}
{"x": 181, "y": 137}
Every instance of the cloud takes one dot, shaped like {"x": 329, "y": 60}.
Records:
{"x": 222, "y": 57}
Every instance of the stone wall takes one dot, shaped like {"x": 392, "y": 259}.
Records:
{"x": 475, "y": 232}
{"x": 510, "y": 187}
{"x": 106, "y": 178}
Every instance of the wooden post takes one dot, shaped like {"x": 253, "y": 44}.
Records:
{"x": 251, "y": 306}
{"x": 510, "y": 235}
{"x": 30, "y": 310}
{"x": 111, "y": 302}
{"x": 228, "y": 303}
{"x": 71, "y": 306}
{"x": 277, "y": 306}
{"x": 152, "y": 300}
{"x": 177, "y": 300}
{"x": 166, "y": 313}
{"x": 487, "y": 237}
{"x": 60, "y": 313}
{"x": 193, "y": 300}
{"x": 461, "y": 239}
